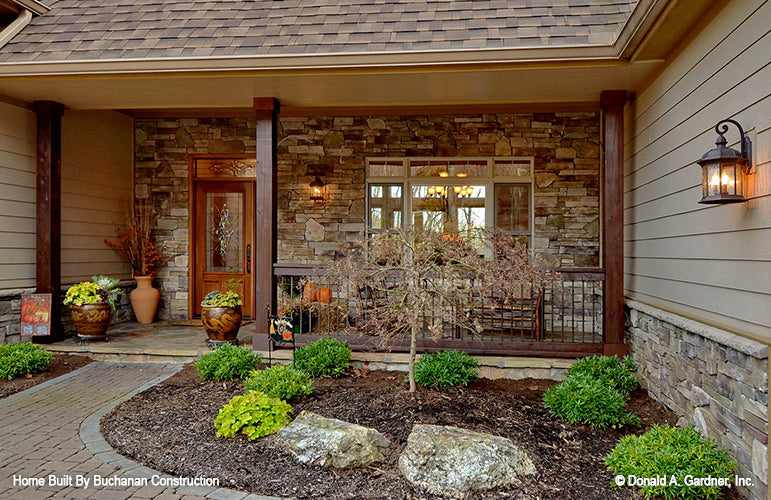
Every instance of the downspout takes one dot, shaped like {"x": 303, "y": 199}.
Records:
{"x": 13, "y": 29}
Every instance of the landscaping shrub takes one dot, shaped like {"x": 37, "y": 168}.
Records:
{"x": 19, "y": 359}
{"x": 254, "y": 414}
{"x": 324, "y": 358}
{"x": 671, "y": 451}
{"x": 280, "y": 381}
{"x": 227, "y": 362}
{"x": 445, "y": 369}
{"x": 584, "y": 400}
{"x": 611, "y": 371}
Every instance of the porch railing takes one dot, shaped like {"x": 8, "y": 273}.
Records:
{"x": 564, "y": 319}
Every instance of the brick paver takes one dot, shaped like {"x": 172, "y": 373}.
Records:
{"x": 51, "y": 443}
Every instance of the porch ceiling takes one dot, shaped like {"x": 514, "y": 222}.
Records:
{"x": 365, "y": 86}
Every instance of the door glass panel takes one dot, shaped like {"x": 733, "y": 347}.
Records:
{"x": 224, "y": 232}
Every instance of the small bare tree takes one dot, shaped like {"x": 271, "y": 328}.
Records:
{"x": 411, "y": 281}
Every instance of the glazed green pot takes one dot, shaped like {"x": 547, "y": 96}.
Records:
{"x": 221, "y": 323}
{"x": 91, "y": 320}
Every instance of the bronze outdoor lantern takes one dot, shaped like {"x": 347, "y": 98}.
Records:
{"x": 723, "y": 168}
{"x": 317, "y": 189}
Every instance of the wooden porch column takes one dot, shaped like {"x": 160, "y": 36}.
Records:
{"x": 266, "y": 215}
{"x": 48, "y": 268}
{"x": 612, "y": 103}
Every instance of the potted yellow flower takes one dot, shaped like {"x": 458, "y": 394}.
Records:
{"x": 221, "y": 315}
{"x": 92, "y": 304}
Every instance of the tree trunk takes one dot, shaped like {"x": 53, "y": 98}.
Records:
{"x": 413, "y": 354}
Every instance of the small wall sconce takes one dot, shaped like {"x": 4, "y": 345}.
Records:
{"x": 317, "y": 189}
{"x": 723, "y": 168}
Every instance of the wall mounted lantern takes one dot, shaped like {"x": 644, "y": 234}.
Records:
{"x": 723, "y": 168}
{"x": 317, "y": 189}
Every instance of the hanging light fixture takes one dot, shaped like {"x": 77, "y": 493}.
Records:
{"x": 724, "y": 168}
{"x": 317, "y": 189}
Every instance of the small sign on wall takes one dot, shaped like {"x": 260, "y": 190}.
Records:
{"x": 35, "y": 314}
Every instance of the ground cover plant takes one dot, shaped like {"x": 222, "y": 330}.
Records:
{"x": 595, "y": 393}
{"x": 612, "y": 371}
{"x": 60, "y": 365}
{"x": 672, "y": 452}
{"x": 326, "y": 357}
{"x": 254, "y": 414}
{"x": 280, "y": 381}
{"x": 227, "y": 362}
{"x": 170, "y": 428}
{"x": 584, "y": 400}
{"x": 445, "y": 369}
{"x": 19, "y": 359}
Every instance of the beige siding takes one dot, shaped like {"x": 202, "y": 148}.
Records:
{"x": 97, "y": 160}
{"x": 712, "y": 263}
{"x": 17, "y": 197}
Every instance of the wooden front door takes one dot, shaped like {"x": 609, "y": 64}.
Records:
{"x": 223, "y": 239}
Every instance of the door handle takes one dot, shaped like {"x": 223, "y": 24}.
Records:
{"x": 248, "y": 258}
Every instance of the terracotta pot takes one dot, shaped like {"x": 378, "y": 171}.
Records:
{"x": 144, "y": 299}
{"x": 91, "y": 320}
{"x": 221, "y": 323}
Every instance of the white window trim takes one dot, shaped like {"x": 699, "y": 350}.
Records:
{"x": 488, "y": 181}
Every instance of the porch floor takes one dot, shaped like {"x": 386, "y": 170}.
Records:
{"x": 163, "y": 341}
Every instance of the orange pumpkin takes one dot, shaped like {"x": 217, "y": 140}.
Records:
{"x": 309, "y": 292}
{"x": 324, "y": 295}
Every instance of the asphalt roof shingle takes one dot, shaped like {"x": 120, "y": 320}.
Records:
{"x": 79, "y": 29}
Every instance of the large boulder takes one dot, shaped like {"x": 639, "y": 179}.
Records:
{"x": 317, "y": 440}
{"x": 451, "y": 461}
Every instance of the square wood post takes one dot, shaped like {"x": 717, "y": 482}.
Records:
{"x": 48, "y": 242}
{"x": 266, "y": 208}
{"x": 612, "y": 103}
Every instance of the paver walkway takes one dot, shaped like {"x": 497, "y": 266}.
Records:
{"x": 50, "y": 440}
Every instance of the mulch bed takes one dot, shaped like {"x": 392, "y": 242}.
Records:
{"x": 61, "y": 364}
{"x": 170, "y": 427}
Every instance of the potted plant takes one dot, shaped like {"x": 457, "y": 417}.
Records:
{"x": 145, "y": 258}
{"x": 92, "y": 304}
{"x": 221, "y": 315}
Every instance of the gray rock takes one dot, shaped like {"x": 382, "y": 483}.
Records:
{"x": 317, "y": 440}
{"x": 452, "y": 462}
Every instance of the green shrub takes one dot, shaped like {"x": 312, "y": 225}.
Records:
{"x": 324, "y": 358}
{"x": 227, "y": 362}
{"x": 19, "y": 359}
{"x": 611, "y": 371}
{"x": 446, "y": 368}
{"x": 254, "y": 414}
{"x": 584, "y": 400}
{"x": 671, "y": 451}
{"x": 280, "y": 381}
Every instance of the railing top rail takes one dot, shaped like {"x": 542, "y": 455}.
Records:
{"x": 568, "y": 274}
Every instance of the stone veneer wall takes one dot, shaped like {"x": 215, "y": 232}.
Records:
{"x": 566, "y": 204}
{"x": 713, "y": 379}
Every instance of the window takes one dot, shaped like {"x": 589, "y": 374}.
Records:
{"x": 457, "y": 195}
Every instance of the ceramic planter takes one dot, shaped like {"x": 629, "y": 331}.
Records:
{"x": 144, "y": 299}
{"x": 221, "y": 324}
{"x": 91, "y": 320}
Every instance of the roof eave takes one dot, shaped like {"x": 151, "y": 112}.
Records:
{"x": 325, "y": 61}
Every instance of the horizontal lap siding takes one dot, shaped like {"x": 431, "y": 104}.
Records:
{"x": 17, "y": 197}
{"x": 708, "y": 262}
{"x": 97, "y": 162}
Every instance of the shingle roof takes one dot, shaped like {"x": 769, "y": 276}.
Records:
{"x": 128, "y": 29}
